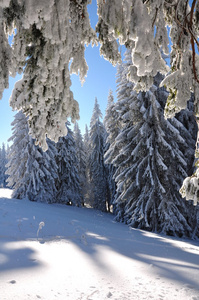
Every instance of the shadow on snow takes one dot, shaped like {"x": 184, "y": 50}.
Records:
{"x": 92, "y": 232}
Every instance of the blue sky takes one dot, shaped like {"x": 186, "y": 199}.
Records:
{"x": 6, "y": 113}
{"x": 100, "y": 78}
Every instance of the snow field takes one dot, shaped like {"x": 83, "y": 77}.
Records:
{"x": 59, "y": 252}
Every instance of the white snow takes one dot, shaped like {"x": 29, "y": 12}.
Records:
{"x": 83, "y": 254}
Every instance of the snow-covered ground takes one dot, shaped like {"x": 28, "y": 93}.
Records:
{"x": 60, "y": 252}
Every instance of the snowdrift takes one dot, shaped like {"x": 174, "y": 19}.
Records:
{"x": 59, "y": 252}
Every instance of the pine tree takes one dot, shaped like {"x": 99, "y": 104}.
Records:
{"x": 123, "y": 120}
{"x": 18, "y": 156}
{"x": 41, "y": 173}
{"x": 3, "y": 162}
{"x": 97, "y": 170}
{"x": 112, "y": 129}
{"x": 31, "y": 171}
{"x": 88, "y": 188}
{"x": 68, "y": 182}
{"x": 150, "y": 165}
{"x": 86, "y": 140}
{"x": 81, "y": 158}
{"x": 190, "y": 130}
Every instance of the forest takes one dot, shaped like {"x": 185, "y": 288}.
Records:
{"x": 140, "y": 161}
{"x": 132, "y": 163}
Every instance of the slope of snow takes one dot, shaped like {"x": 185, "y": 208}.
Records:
{"x": 60, "y": 252}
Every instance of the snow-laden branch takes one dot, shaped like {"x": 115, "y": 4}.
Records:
{"x": 49, "y": 35}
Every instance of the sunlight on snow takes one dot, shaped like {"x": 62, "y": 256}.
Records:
{"x": 3, "y": 259}
{"x": 14, "y": 245}
{"x": 6, "y": 193}
{"x": 174, "y": 243}
{"x": 171, "y": 262}
{"x": 98, "y": 237}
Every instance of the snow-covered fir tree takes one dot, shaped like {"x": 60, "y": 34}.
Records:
{"x": 97, "y": 169}
{"x": 42, "y": 173}
{"x": 18, "y": 156}
{"x": 116, "y": 120}
{"x": 31, "y": 171}
{"x": 87, "y": 148}
{"x": 112, "y": 129}
{"x": 189, "y": 132}
{"x": 68, "y": 182}
{"x": 150, "y": 166}
{"x": 123, "y": 120}
{"x": 86, "y": 140}
{"x": 81, "y": 158}
{"x": 3, "y": 162}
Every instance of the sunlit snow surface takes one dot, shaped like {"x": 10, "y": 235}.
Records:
{"x": 59, "y": 252}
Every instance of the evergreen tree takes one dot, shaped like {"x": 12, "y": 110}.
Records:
{"x": 81, "y": 158}
{"x": 86, "y": 140}
{"x": 97, "y": 170}
{"x": 31, "y": 171}
{"x": 123, "y": 120}
{"x": 3, "y": 162}
{"x": 190, "y": 131}
{"x": 112, "y": 129}
{"x": 88, "y": 189}
{"x": 68, "y": 182}
{"x": 18, "y": 156}
{"x": 41, "y": 172}
{"x": 150, "y": 165}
